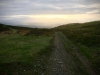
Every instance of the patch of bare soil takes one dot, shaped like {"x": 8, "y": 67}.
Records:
{"x": 63, "y": 61}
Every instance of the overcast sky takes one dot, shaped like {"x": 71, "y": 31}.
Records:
{"x": 48, "y": 13}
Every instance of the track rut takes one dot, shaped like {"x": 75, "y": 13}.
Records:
{"x": 63, "y": 61}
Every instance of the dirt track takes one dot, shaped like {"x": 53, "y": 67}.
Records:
{"x": 63, "y": 61}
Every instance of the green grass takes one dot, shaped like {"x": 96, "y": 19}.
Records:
{"x": 23, "y": 55}
{"x": 92, "y": 53}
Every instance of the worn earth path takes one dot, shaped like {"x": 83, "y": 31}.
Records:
{"x": 64, "y": 62}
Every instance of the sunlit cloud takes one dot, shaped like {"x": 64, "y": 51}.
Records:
{"x": 48, "y": 12}
{"x": 94, "y": 11}
{"x": 50, "y": 20}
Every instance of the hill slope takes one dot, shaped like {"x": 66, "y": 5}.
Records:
{"x": 86, "y": 36}
{"x": 85, "y": 33}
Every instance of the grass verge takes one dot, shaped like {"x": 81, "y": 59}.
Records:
{"x": 24, "y": 55}
{"x": 93, "y": 54}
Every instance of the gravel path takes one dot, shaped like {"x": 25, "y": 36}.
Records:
{"x": 57, "y": 65}
{"x": 63, "y": 61}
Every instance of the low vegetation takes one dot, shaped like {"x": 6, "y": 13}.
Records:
{"x": 8, "y": 29}
{"x": 3, "y": 27}
{"x": 24, "y": 55}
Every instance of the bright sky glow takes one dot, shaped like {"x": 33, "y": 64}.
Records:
{"x": 48, "y": 13}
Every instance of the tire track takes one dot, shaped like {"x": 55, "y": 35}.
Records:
{"x": 57, "y": 66}
{"x": 63, "y": 61}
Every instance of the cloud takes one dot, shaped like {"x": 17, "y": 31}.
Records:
{"x": 19, "y": 7}
{"x": 24, "y": 11}
{"x": 94, "y": 11}
{"x": 48, "y": 20}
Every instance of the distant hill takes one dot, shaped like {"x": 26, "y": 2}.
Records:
{"x": 95, "y": 25}
{"x": 3, "y": 27}
{"x": 8, "y": 29}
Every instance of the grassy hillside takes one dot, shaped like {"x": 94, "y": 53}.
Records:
{"x": 86, "y": 33}
{"x": 86, "y": 37}
{"x": 24, "y": 51}
{"x": 24, "y": 55}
